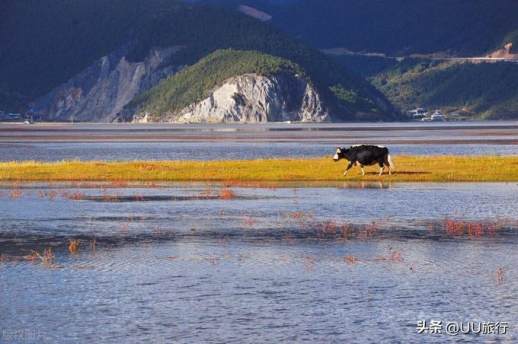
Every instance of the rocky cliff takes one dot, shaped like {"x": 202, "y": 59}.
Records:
{"x": 102, "y": 90}
{"x": 252, "y": 98}
{"x": 96, "y": 59}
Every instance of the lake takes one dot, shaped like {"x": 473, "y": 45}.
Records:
{"x": 51, "y": 142}
{"x": 170, "y": 263}
{"x": 201, "y": 262}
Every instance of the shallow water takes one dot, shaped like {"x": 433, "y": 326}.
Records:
{"x": 102, "y": 209}
{"x": 342, "y": 262}
{"x": 51, "y": 142}
{"x": 188, "y": 263}
{"x": 218, "y": 150}
{"x": 244, "y": 292}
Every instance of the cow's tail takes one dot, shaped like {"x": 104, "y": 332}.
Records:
{"x": 390, "y": 163}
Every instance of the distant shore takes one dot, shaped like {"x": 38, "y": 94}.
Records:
{"x": 472, "y": 132}
{"x": 407, "y": 169}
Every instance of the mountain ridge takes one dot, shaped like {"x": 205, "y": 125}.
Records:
{"x": 50, "y": 50}
{"x": 233, "y": 86}
{"x": 160, "y": 24}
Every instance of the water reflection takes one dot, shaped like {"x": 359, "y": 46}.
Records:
{"x": 367, "y": 185}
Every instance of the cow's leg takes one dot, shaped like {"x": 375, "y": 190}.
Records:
{"x": 363, "y": 171}
{"x": 351, "y": 164}
{"x": 381, "y": 168}
{"x": 388, "y": 164}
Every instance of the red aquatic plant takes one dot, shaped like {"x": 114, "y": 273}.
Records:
{"x": 500, "y": 275}
{"x": 138, "y": 197}
{"x": 157, "y": 231}
{"x": 395, "y": 256}
{"x": 213, "y": 259}
{"x": 226, "y": 194}
{"x": 288, "y": 238}
{"x": 297, "y": 215}
{"x": 46, "y": 258}
{"x": 15, "y": 193}
{"x": 475, "y": 230}
{"x": 368, "y": 231}
{"x": 124, "y": 228}
{"x": 309, "y": 263}
{"x": 249, "y": 221}
{"x": 454, "y": 228}
{"x": 110, "y": 198}
{"x": 73, "y": 246}
{"x": 75, "y": 196}
{"x": 351, "y": 260}
{"x": 345, "y": 231}
{"x": 327, "y": 229}
{"x": 302, "y": 218}
{"x": 51, "y": 195}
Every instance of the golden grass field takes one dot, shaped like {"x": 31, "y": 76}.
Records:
{"x": 407, "y": 169}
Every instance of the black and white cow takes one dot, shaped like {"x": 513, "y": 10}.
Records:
{"x": 365, "y": 155}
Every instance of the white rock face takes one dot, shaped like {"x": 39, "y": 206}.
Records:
{"x": 103, "y": 89}
{"x": 254, "y": 98}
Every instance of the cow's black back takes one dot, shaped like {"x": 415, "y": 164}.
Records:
{"x": 367, "y": 154}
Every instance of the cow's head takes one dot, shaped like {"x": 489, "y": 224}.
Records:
{"x": 340, "y": 154}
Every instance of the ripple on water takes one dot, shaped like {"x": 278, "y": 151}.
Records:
{"x": 262, "y": 270}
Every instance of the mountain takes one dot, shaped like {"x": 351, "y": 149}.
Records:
{"x": 100, "y": 92}
{"x": 457, "y": 55}
{"x": 233, "y": 86}
{"x": 87, "y": 59}
{"x": 476, "y": 90}
{"x": 395, "y": 27}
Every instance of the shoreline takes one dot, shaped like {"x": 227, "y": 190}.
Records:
{"x": 495, "y": 132}
{"x": 417, "y": 168}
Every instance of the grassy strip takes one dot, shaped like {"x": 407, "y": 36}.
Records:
{"x": 408, "y": 169}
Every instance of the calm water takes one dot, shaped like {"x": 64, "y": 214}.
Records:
{"x": 184, "y": 263}
{"x": 50, "y": 142}
{"x": 190, "y": 263}
{"x": 217, "y": 150}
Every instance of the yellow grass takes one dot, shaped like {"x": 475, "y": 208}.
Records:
{"x": 408, "y": 169}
